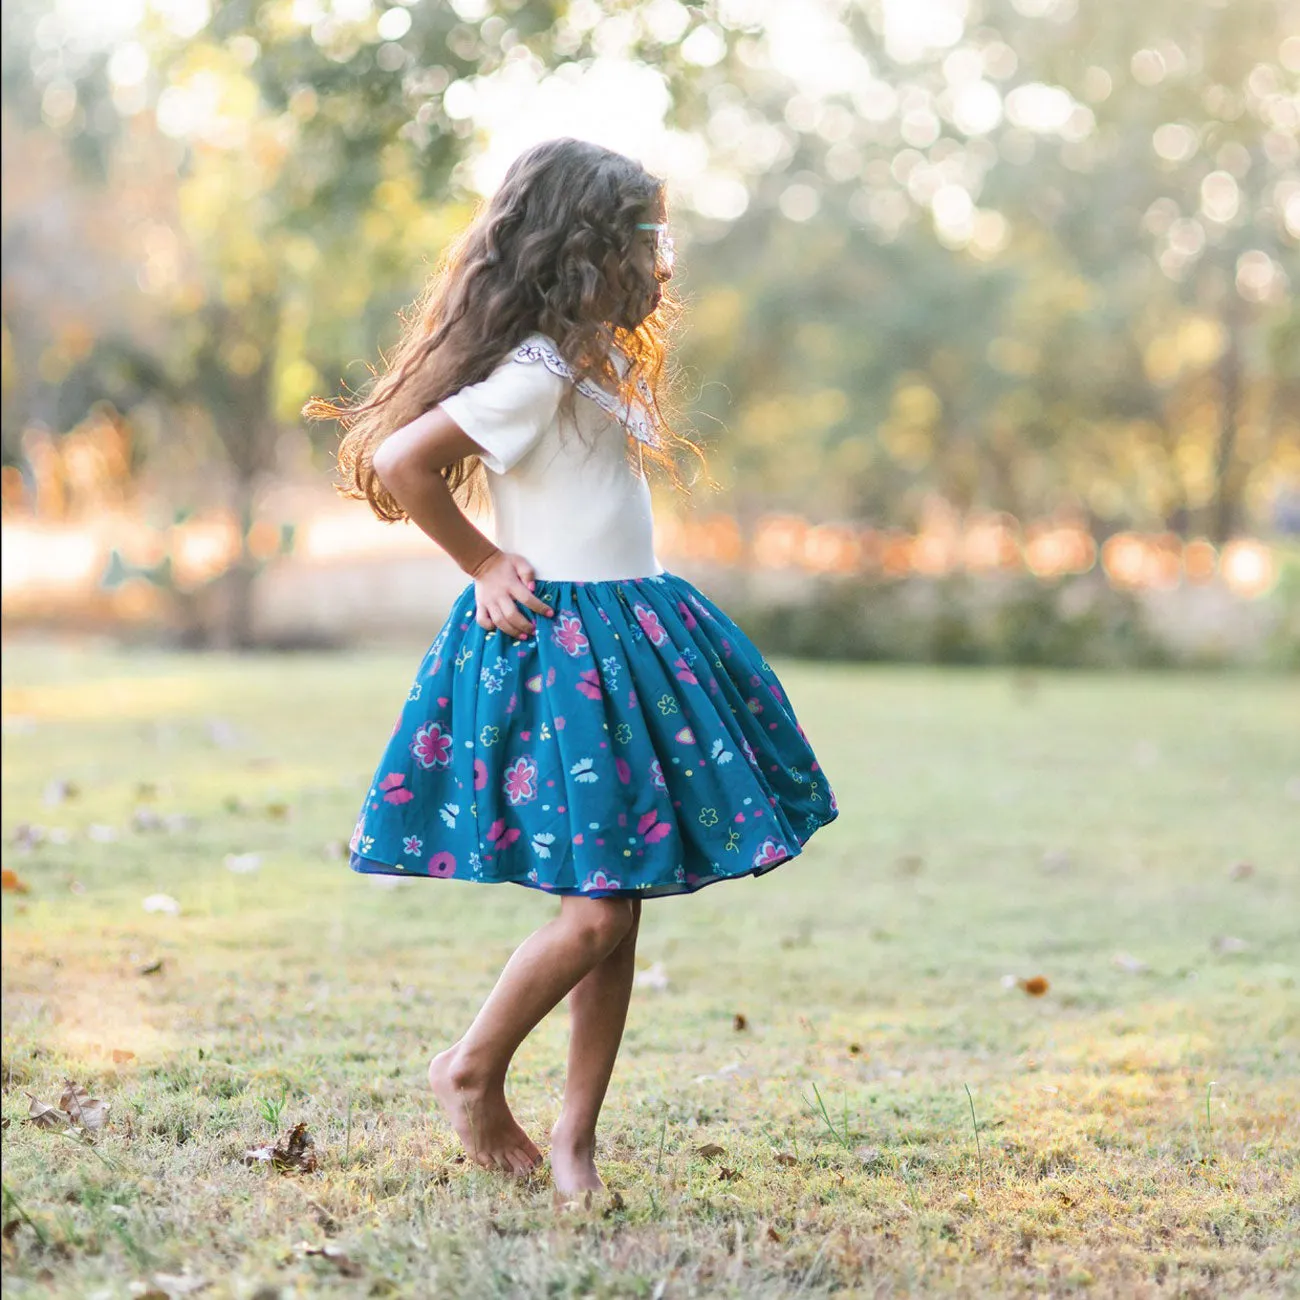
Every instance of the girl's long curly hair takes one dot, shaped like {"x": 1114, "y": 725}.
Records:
{"x": 550, "y": 253}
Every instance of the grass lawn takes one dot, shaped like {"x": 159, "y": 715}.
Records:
{"x": 1135, "y": 840}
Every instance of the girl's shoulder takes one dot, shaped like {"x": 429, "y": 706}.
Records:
{"x": 541, "y": 349}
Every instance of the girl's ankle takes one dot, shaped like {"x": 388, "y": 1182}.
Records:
{"x": 466, "y": 1069}
{"x": 582, "y": 1141}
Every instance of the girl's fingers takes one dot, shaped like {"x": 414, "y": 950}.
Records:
{"x": 483, "y": 619}
{"x": 509, "y": 619}
{"x": 535, "y": 603}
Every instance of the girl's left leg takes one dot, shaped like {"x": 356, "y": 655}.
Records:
{"x": 598, "y": 1010}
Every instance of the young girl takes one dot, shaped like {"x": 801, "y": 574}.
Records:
{"x": 585, "y": 723}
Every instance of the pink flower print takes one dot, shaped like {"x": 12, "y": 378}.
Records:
{"x": 657, "y": 776}
{"x": 589, "y": 683}
{"x": 726, "y": 647}
{"x": 412, "y": 844}
{"x": 442, "y": 864}
{"x": 769, "y": 853}
{"x": 684, "y": 673}
{"x": 776, "y": 693}
{"x": 520, "y": 782}
{"x": 431, "y": 745}
{"x": 652, "y": 828}
{"x": 755, "y": 704}
{"x": 480, "y": 774}
{"x": 569, "y": 636}
{"x": 650, "y": 624}
{"x": 599, "y": 880}
{"x": 499, "y": 836}
{"x": 835, "y": 807}
{"x": 687, "y": 617}
{"x": 623, "y": 770}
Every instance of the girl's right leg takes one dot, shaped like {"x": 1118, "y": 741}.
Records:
{"x": 469, "y": 1077}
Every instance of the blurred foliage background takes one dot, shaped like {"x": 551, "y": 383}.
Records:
{"x": 941, "y": 257}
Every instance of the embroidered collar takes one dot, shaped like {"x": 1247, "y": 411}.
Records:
{"x": 633, "y": 416}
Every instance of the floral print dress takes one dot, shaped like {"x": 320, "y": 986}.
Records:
{"x": 636, "y": 744}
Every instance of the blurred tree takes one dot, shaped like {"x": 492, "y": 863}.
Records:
{"x": 1042, "y": 260}
{"x": 1037, "y": 257}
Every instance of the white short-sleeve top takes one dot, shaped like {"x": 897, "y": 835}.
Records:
{"x": 564, "y": 492}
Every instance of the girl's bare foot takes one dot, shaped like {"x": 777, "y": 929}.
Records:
{"x": 478, "y": 1112}
{"x": 573, "y": 1165}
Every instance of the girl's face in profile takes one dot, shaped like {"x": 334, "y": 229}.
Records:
{"x": 650, "y": 265}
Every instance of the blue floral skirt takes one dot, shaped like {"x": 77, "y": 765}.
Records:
{"x": 636, "y": 744}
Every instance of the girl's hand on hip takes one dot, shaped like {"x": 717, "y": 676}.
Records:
{"x": 499, "y": 582}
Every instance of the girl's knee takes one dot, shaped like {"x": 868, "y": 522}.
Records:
{"x": 602, "y": 922}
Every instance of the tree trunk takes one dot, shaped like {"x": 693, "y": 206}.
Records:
{"x": 240, "y": 580}
{"x": 1223, "y": 514}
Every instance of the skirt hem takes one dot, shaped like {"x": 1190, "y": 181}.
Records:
{"x": 365, "y": 866}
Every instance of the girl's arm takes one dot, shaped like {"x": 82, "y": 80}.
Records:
{"x": 409, "y": 463}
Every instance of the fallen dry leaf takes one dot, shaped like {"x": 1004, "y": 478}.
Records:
{"x": 710, "y": 1151}
{"x": 726, "y": 1175}
{"x": 44, "y": 1116}
{"x": 278, "y": 812}
{"x": 58, "y": 790}
{"x": 27, "y": 836}
{"x": 88, "y": 1111}
{"x": 784, "y": 1158}
{"x": 121, "y": 1056}
{"x": 739, "y": 1022}
{"x": 178, "y": 1284}
{"x": 772, "y": 1234}
{"x": 855, "y": 1049}
{"x": 296, "y": 1155}
{"x": 910, "y": 864}
{"x": 150, "y": 968}
{"x": 347, "y": 1266}
{"x": 1035, "y": 986}
{"x": 1241, "y": 871}
{"x": 11, "y": 882}
{"x": 1224, "y": 944}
